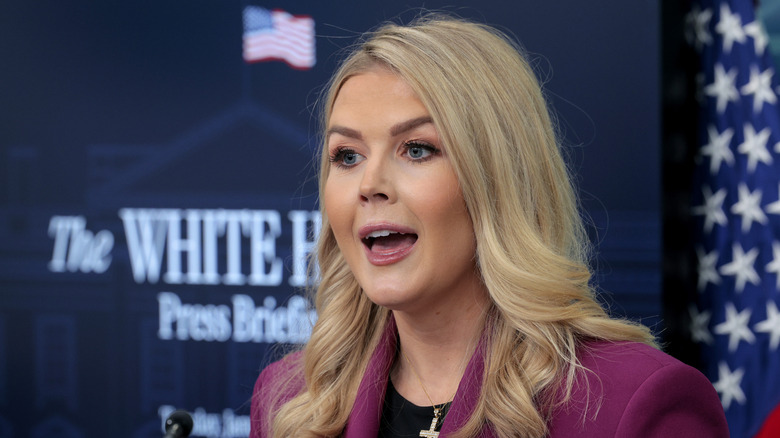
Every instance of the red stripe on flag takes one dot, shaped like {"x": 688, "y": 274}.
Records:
{"x": 771, "y": 427}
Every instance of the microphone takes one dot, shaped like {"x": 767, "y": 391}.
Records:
{"x": 178, "y": 425}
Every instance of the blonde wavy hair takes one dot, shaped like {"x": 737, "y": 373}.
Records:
{"x": 532, "y": 250}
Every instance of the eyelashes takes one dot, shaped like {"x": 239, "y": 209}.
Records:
{"x": 420, "y": 151}
{"x": 344, "y": 157}
{"x": 416, "y": 151}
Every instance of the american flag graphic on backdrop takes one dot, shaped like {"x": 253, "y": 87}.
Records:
{"x": 737, "y": 210}
{"x": 278, "y": 35}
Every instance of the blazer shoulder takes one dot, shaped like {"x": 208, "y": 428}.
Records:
{"x": 632, "y": 389}
{"x": 282, "y": 369}
{"x": 627, "y": 361}
{"x": 277, "y": 384}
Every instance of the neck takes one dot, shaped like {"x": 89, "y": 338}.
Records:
{"x": 437, "y": 348}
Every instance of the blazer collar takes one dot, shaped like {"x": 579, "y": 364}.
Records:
{"x": 367, "y": 412}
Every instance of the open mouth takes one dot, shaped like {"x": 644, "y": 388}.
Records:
{"x": 388, "y": 242}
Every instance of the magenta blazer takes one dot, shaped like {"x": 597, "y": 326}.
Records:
{"x": 631, "y": 391}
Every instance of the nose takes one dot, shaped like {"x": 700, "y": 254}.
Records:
{"x": 376, "y": 183}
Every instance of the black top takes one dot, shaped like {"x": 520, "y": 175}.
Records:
{"x": 401, "y": 418}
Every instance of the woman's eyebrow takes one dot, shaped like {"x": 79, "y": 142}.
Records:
{"x": 346, "y": 132}
{"x": 398, "y": 128}
{"x": 410, "y": 124}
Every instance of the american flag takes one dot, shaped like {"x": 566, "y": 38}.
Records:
{"x": 278, "y": 35}
{"x": 736, "y": 319}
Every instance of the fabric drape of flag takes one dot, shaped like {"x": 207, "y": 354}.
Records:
{"x": 737, "y": 212}
{"x": 278, "y": 35}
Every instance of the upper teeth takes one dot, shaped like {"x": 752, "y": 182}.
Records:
{"x": 380, "y": 233}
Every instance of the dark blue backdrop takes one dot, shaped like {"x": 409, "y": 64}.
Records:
{"x": 127, "y": 125}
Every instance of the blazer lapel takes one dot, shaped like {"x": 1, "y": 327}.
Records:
{"x": 367, "y": 412}
{"x": 467, "y": 396}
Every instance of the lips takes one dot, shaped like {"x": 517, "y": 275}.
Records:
{"x": 389, "y": 242}
{"x": 386, "y": 244}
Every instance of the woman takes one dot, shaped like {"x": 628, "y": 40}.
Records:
{"x": 454, "y": 295}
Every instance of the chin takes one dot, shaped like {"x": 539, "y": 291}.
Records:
{"x": 389, "y": 299}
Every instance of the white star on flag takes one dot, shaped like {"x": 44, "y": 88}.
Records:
{"x": 730, "y": 26}
{"x": 701, "y": 24}
{"x": 749, "y": 207}
{"x": 712, "y": 208}
{"x": 728, "y": 385}
{"x": 773, "y": 267}
{"x": 736, "y": 327}
{"x": 699, "y": 322}
{"x": 760, "y": 40}
{"x": 718, "y": 148}
{"x": 774, "y": 208}
{"x": 735, "y": 204}
{"x": 723, "y": 87}
{"x": 771, "y": 325}
{"x": 707, "y": 268}
{"x": 741, "y": 267}
{"x": 754, "y": 147}
{"x": 760, "y": 86}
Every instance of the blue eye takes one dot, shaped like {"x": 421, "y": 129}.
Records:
{"x": 349, "y": 158}
{"x": 418, "y": 151}
{"x": 345, "y": 157}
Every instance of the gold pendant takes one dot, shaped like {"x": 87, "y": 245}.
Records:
{"x": 432, "y": 433}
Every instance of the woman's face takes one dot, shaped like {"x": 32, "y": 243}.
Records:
{"x": 393, "y": 199}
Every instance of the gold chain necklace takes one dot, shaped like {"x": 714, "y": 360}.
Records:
{"x": 437, "y": 410}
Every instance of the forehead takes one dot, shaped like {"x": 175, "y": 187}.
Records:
{"x": 373, "y": 88}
